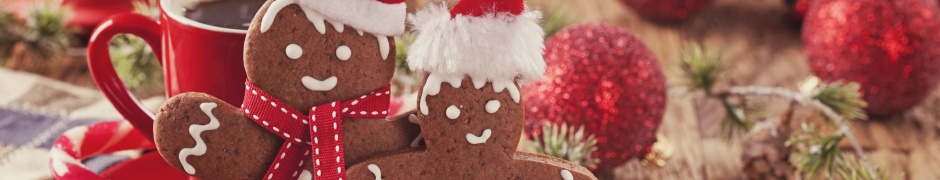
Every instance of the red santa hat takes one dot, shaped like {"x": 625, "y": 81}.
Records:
{"x": 381, "y": 17}
{"x": 493, "y": 39}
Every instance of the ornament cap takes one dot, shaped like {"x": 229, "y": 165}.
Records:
{"x": 659, "y": 155}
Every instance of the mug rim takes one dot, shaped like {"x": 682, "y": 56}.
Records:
{"x": 183, "y": 20}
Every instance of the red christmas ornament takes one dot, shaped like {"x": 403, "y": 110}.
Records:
{"x": 799, "y": 8}
{"x": 667, "y": 10}
{"x": 889, "y": 47}
{"x": 603, "y": 78}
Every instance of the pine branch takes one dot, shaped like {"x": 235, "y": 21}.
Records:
{"x": 42, "y": 36}
{"x": 46, "y": 32}
{"x": 736, "y": 120}
{"x": 822, "y": 155}
{"x": 558, "y": 18}
{"x": 702, "y": 67}
{"x": 402, "y": 44}
{"x": 856, "y": 170}
{"x": 843, "y": 126}
{"x": 133, "y": 59}
{"x": 10, "y": 31}
{"x": 836, "y": 101}
{"x": 565, "y": 142}
{"x": 844, "y": 99}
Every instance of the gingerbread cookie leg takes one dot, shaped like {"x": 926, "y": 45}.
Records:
{"x": 395, "y": 166}
{"x": 537, "y": 166}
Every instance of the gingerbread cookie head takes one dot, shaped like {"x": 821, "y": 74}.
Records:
{"x": 473, "y": 114}
{"x": 301, "y": 50}
{"x": 471, "y": 93}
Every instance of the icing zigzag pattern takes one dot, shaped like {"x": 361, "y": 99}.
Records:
{"x": 196, "y": 130}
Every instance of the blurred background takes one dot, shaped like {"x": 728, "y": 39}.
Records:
{"x": 46, "y": 88}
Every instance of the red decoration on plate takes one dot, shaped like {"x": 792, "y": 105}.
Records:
{"x": 889, "y": 47}
{"x": 667, "y": 10}
{"x": 83, "y": 142}
{"x": 604, "y": 78}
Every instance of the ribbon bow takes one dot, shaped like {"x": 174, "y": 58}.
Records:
{"x": 321, "y": 132}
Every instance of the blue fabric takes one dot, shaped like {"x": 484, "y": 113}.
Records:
{"x": 18, "y": 128}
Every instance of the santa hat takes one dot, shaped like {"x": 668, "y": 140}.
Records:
{"x": 493, "y": 39}
{"x": 381, "y": 17}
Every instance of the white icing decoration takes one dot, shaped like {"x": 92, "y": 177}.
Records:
{"x": 474, "y": 139}
{"x": 306, "y": 175}
{"x": 360, "y": 32}
{"x": 195, "y": 131}
{"x": 269, "y": 16}
{"x": 293, "y": 51}
{"x": 566, "y": 175}
{"x": 312, "y": 15}
{"x": 414, "y": 120}
{"x": 492, "y": 106}
{"x": 500, "y": 85}
{"x": 338, "y": 26}
{"x": 343, "y": 52}
{"x": 375, "y": 171}
{"x": 453, "y": 112}
{"x": 383, "y": 46}
{"x": 417, "y": 141}
{"x": 433, "y": 86}
{"x": 318, "y": 85}
{"x": 478, "y": 82}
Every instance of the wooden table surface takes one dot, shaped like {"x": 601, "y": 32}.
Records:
{"x": 761, "y": 43}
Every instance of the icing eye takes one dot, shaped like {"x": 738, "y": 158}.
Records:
{"x": 453, "y": 112}
{"x": 293, "y": 51}
{"x": 492, "y": 106}
{"x": 343, "y": 52}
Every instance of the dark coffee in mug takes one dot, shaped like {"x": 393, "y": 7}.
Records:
{"x": 234, "y": 14}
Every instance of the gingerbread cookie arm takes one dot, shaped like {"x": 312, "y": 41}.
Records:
{"x": 537, "y": 166}
{"x": 196, "y": 133}
{"x": 412, "y": 117}
{"x": 403, "y": 117}
{"x": 374, "y": 136}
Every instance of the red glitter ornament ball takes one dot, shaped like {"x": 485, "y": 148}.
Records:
{"x": 889, "y": 47}
{"x": 603, "y": 78}
{"x": 799, "y": 8}
{"x": 667, "y": 10}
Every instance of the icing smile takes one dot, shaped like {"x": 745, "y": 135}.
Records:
{"x": 474, "y": 139}
{"x": 319, "y": 85}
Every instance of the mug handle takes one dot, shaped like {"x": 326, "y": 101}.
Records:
{"x": 102, "y": 70}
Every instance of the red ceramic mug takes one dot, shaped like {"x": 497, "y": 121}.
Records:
{"x": 196, "y": 57}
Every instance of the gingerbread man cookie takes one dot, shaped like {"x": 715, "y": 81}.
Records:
{"x": 470, "y": 108}
{"x": 316, "y": 97}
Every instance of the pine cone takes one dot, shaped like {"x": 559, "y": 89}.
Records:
{"x": 766, "y": 155}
